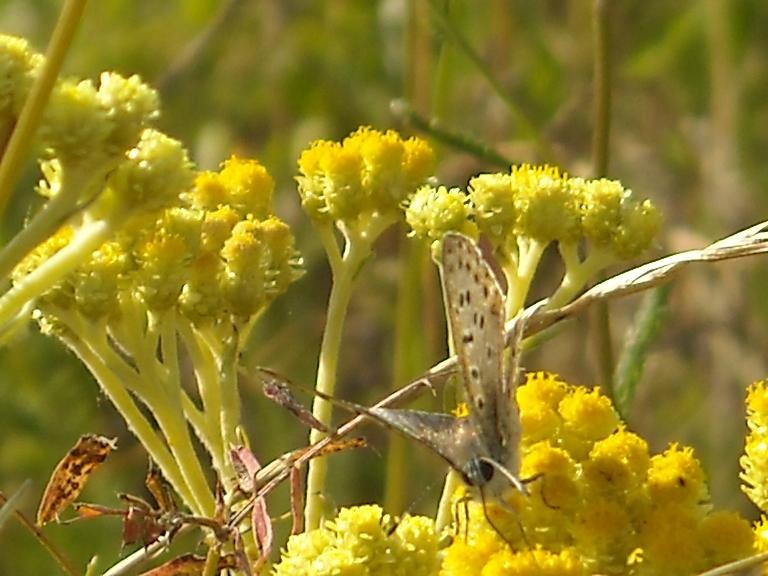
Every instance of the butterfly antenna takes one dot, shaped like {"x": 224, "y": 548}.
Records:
{"x": 514, "y": 480}
{"x": 498, "y": 530}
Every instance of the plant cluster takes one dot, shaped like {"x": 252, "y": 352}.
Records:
{"x": 138, "y": 262}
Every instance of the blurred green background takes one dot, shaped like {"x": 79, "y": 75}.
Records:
{"x": 265, "y": 78}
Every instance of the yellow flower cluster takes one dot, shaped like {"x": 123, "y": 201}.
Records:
{"x": 358, "y": 543}
{"x": 595, "y": 223}
{"x": 218, "y": 253}
{"x": 361, "y": 182}
{"x": 540, "y": 203}
{"x": 598, "y": 501}
{"x": 754, "y": 462}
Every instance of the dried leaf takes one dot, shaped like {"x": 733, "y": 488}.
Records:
{"x": 86, "y": 510}
{"x": 297, "y": 502}
{"x": 278, "y": 389}
{"x": 160, "y": 489}
{"x": 71, "y": 474}
{"x": 247, "y": 466}
{"x": 188, "y": 565}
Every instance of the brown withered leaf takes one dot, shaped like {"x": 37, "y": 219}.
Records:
{"x": 277, "y": 388}
{"x": 188, "y": 565}
{"x": 160, "y": 489}
{"x": 71, "y": 474}
{"x": 86, "y": 510}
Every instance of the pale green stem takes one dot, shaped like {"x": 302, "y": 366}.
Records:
{"x": 167, "y": 408}
{"x": 54, "y": 269}
{"x": 230, "y": 397}
{"x": 13, "y": 159}
{"x": 519, "y": 280}
{"x": 46, "y": 222}
{"x": 196, "y": 419}
{"x": 211, "y": 567}
{"x": 163, "y": 394}
{"x": 444, "y": 515}
{"x": 93, "y": 565}
{"x": 344, "y": 272}
{"x": 206, "y": 422}
{"x": 577, "y": 273}
{"x": 113, "y": 385}
{"x": 164, "y": 398}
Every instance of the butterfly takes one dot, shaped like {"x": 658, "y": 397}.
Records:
{"x": 482, "y": 447}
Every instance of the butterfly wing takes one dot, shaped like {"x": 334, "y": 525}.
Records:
{"x": 475, "y": 308}
{"x": 453, "y": 439}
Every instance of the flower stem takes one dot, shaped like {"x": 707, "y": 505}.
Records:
{"x": 21, "y": 138}
{"x": 53, "y": 269}
{"x": 356, "y": 251}
{"x": 114, "y": 387}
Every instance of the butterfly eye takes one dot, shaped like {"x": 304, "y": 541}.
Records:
{"x": 479, "y": 472}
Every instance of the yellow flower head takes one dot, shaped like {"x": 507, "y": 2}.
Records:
{"x": 538, "y": 400}
{"x": 355, "y": 542}
{"x": 362, "y": 181}
{"x": 754, "y": 462}
{"x": 614, "y": 220}
{"x": 588, "y": 414}
{"x": 670, "y": 540}
{"x": 617, "y": 463}
{"x": 557, "y": 475}
{"x": 548, "y": 208}
{"x": 431, "y": 212}
{"x": 726, "y": 537}
{"x": 676, "y": 476}
{"x": 18, "y": 67}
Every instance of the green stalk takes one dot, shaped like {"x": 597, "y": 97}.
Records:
{"x": 206, "y": 423}
{"x": 344, "y": 271}
{"x": 47, "y": 221}
{"x": 519, "y": 279}
{"x": 164, "y": 400}
{"x": 230, "y": 397}
{"x": 29, "y": 119}
{"x": 601, "y": 133}
{"x": 408, "y": 354}
{"x": 53, "y": 269}
{"x": 113, "y": 385}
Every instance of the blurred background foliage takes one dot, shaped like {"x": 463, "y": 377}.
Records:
{"x": 689, "y": 129}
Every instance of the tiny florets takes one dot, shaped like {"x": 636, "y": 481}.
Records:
{"x": 76, "y": 126}
{"x": 588, "y": 414}
{"x": 355, "y": 542}
{"x": 548, "y": 207}
{"x": 494, "y": 199}
{"x": 243, "y": 184}
{"x": 614, "y": 220}
{"x": 432, "y": 212}
{"x": 154, "y": 175}
{"x": 363, "y": 180}
{"x": 131, "y": 106}
{"x": 98, "y": 281}
{"x": 18, "y": 68}
{"x": 609, "y": 510}
{"x": 754, "y": 461}
{"x": 677, "y": 476}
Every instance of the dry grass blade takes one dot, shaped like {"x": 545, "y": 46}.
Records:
{"x": 744, "y": 566}
{"x": 748, "y": 242}
{"x": 753, "y": 240}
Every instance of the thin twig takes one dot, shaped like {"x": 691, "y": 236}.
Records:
{"x": 61, "y": 560}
